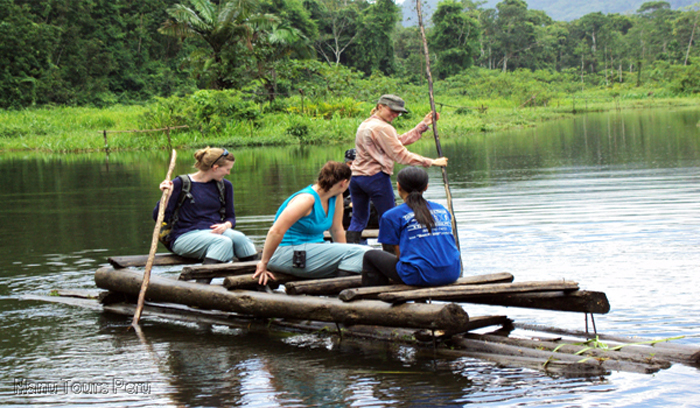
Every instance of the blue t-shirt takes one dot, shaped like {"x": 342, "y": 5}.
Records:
{"x": 426, "y": 259}
{"x": 200, "y": 212}
{"x": 308, "y": 229}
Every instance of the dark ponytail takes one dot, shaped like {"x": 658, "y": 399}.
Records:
{"x": 414, "y": 180}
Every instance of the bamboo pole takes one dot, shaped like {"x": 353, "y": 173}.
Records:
{"x": 435, "y": 130}
{"x": 154, "y": 243}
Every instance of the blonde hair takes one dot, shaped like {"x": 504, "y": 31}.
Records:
{"x": 206, "y": 158}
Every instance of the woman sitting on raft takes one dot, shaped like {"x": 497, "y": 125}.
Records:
{"x": 203, "y": 229}
{"x": 295, "y": 244}
{"x": 421, "y": 233}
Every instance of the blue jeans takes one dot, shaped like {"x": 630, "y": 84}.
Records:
{"x": 363, "y": 189}
{"x": 200, "y": 244}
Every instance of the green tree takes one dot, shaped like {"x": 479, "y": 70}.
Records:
{"x": 340, "y": 25}
{"x": 374, "y": 48}
{"x": 222, "y": 26}
{"x": 514, "y": 33}
{"x": 25, "y": 54}
{"x": 408, "y": 50}
{"x": 454, "y": 38}
{"x": 685, "y": 29}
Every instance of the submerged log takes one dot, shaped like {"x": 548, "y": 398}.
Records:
{"x": 482, "y": 346}
{"x": 582, "y": 351}
{"x": 576, "y": 301}
{"x": 371, "y": 292}
{"x": 323, "y": 287}
{"x": 220, "y": 270}
{"x": 163, "y": 259}
{"x": 660, "y": 348}
{"x": 260, "y": 304}
{"x": 565, "y": 368}
{"x": 460, "y": 293}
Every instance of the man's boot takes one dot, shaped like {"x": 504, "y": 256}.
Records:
{"x": 374, "y": 279}
{"x": 353, "y": 237}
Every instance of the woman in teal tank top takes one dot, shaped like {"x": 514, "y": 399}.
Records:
{"x": 294, "y": 244}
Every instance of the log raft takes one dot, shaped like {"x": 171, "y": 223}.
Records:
{"x": 387, "y": 313}
{"x": 261, "y": 304}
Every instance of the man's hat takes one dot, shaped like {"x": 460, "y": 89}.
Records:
{"x": 393, "y": 102}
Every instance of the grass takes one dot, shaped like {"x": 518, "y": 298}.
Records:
{"x": 80, "y": 129}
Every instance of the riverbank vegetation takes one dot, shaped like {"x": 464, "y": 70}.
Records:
{"x": 252, "y": 73}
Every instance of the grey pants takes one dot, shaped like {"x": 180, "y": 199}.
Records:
{"x": 202, "y": 244}
{"x": 323, "y": 260}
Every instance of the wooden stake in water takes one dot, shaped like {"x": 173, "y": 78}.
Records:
{"x": 154, "y": 244}
{"x": 435, "y": 131}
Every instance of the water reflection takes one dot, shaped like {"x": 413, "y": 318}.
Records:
{"x": 607, "y": 200}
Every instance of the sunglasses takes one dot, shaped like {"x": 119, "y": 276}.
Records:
{"x": 224, "y": 154}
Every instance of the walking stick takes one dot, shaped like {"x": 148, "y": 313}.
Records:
{"x": 435, "y": 130}
{"x": 154, "y": 244}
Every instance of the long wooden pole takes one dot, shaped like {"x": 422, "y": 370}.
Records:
{"x": 154, "y": 243}
{"x": 435, "y": 130}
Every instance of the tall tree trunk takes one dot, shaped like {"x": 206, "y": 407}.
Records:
{"x": 692, "y": 34}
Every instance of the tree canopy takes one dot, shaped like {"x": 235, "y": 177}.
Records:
{"x": 101, "y": 52}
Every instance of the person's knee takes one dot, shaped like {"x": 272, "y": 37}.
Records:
{"x": 220, "y": 248}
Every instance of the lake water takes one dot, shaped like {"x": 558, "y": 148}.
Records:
{"x": 607, "y": 200}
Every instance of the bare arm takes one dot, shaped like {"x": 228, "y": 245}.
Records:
{"x": 300, "y": 206}
{"x": 337, "y": 231}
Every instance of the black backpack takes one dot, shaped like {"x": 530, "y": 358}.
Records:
{"x": 167, "y": 226}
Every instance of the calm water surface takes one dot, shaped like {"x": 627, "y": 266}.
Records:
{"x": 607, "y": 200}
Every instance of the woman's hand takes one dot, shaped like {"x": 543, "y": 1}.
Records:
{"x": 428, "y": 119}
{"x": 220, "y": 228}
{"x": 262, "y": 274}
{"x": 441, "y": 162}
{"x": 166, "y": 185}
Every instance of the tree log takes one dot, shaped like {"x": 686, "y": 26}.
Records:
{"x": 566, "y": 368}
{"x": 414, "y": 315}
{"x": 163, "y": 259}
{"x": 366, "y": 234}
{"x": 220, "y": 270}
{"x": 458, "y": 293}
{"x": 247, "y": 282}
{"x": 569, "y": 348}
{"x": 478, "y": 322}
{"x": 576, "y": 301}
{"x": 481, "y": 346}
{"x": 683, "y": 353}
{"x": 323, "y": 287}
{"x": 371, "y": 292}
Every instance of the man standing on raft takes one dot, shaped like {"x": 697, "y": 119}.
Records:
{"x": 378, "y": 146}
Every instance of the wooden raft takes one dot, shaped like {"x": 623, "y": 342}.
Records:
{"x": 261, "y": 304}
{"x": 550, "y": 350}
{"x": 383, "y": 312}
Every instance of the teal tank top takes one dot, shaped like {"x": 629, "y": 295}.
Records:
{"x": 308, "y": 229}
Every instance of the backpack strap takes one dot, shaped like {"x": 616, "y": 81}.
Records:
{"x": 222, "y": 198}
{"x": 184, "y": 195}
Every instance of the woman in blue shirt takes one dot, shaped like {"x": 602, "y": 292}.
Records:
{"x": 421, "y": 233}
{"x": 295, "y": 244}
{"x": 203, "y": 230}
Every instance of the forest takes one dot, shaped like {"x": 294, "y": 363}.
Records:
{"x": 207, "y": 63}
